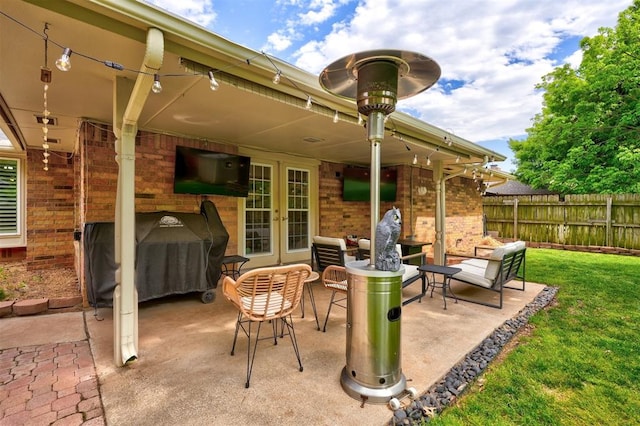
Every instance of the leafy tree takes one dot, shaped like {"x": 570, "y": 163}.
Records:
{"x": 587, "y": 137}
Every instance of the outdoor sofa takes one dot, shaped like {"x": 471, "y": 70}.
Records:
{"x": 504, "y": 264}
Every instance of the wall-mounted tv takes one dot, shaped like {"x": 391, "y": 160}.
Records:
{"x": 198, "y": 171}
{"x": 356, "y": 184}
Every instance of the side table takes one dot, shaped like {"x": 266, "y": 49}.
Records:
{"x": 446, "y": 272}
{"x": 233, "y": 264}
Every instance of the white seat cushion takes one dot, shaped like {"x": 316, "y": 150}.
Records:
{"x": 341, "y": 286}
{"x": 330, "y": 241}
{"x": 480, "y": 263}
{"x": 469, "y": 273}
{"x": 260, "y": 306}
{"x": 410, "y": 271}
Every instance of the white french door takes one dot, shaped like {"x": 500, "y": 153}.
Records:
{"x": 279, "y": 215}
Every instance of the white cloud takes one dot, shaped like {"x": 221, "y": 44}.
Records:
{"x": 199, "y": 11}
{"x": 492, "y": 53}
{"x": 321, "y": 10}
{"x": 278, "y": 42}
{"x": 499, "y": 50}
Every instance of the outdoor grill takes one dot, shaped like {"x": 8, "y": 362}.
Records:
{"x": 376, "y": 80}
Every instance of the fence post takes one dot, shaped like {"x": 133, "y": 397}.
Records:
{"x": 515, "y": 218}
{"x": 609, "y": 230}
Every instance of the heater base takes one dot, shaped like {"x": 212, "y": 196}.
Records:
{"x": 372, "y": 395}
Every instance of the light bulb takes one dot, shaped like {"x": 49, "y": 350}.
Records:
{"x": 213, "y": 84}
{"x": 276, "y": 78}
{"x": 64, "y": 63}
{"x": 309, "y": 103}
{"x": 458, "y": 159}
{"x": 336, "y": 117}
{"x": 415, "y": 159}
{"x": 157, "y": 87}
{"x": 428, "y": 161}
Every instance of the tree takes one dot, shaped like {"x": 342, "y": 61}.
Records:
{"x": 587, "y": 137}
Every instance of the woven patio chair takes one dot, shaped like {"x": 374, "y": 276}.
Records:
{"x": 266, "y": 294}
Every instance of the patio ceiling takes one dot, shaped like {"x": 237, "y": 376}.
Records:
{"x": 248, "y": 109}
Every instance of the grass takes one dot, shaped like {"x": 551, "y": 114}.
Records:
{"x": 581, "y": 363}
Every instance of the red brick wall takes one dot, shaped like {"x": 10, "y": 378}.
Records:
{"x": 155, "y": 156}
{"x": 51, "y": 210}
{"x": 82, "y": 188}
{"x": 463, "y": 205}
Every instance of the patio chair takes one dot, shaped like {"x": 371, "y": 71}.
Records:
{"x": 411, "y": 273}
{"x": 266, "y": 294}
{"x": 334, "y": 278}
{"x": 326, "y": 252}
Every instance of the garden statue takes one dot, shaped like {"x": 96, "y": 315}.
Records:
{"x": 387, "y": 233}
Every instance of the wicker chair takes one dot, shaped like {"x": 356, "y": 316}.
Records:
{"x": 266, "y": 294}
{"x": 334, "y": 278}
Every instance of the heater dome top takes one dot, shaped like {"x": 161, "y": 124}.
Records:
{"x": 416, "y": 72}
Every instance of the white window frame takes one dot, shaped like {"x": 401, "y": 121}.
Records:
{"x": 17, "y": 239}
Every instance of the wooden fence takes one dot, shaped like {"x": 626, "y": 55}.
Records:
{"x": 599, "y": 220}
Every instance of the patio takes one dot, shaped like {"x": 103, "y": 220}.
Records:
{"x": 186, "y": 375}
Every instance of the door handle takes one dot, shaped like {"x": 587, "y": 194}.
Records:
{"x": 285, "y": 218}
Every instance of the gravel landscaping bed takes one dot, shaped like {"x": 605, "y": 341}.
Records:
{"x": 464, "y": 373}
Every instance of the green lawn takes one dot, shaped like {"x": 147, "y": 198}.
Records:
{"x": 581, "y": 364}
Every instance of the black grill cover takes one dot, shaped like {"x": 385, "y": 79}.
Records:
{"x": 175, "y": 253}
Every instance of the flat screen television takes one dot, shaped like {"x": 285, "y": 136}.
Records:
{"x": 198, "y": 171}
{"x": 356, "y": 184}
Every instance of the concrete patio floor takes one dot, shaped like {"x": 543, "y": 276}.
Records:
{"x": 186, "y": 375}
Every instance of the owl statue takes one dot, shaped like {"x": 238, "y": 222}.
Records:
{"x": 387, "y": 233}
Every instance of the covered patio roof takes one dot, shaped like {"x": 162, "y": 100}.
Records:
{"x": 248, "y": 109}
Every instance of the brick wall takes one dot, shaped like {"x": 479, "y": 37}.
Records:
{"x": 51, "y": 210}
{"x": 82, "y": 188}
{"x": 155, "y": 156}
{"x": 463, "y": 204}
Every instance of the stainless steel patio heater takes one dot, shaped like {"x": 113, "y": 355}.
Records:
{"x": 376, "y": 79}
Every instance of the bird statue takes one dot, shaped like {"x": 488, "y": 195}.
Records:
{"x": 387, "y": 233}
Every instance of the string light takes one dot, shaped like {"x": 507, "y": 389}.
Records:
{"x": 213, "y": 84}
{"x": 45, "y": 130}
{"x": 157, "y": 87}
{"x": 64, "y": 62}
{"x": 45, "y": 77}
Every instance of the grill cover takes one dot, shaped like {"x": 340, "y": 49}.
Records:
{"x": 176, "y": 253}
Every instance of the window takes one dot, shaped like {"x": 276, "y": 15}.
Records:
{"x": 11, "y": 229}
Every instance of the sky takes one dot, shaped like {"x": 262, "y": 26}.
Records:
{"x": 492, "y": 53}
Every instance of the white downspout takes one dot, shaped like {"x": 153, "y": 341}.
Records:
{"x": 125, "y": 296}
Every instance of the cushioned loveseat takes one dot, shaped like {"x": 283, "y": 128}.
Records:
{"x": 504, "y": 264}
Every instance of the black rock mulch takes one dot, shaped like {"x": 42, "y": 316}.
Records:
{"x": 464, "y": 373}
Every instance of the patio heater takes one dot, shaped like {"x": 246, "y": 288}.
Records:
{"x": 376, "y": 79}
